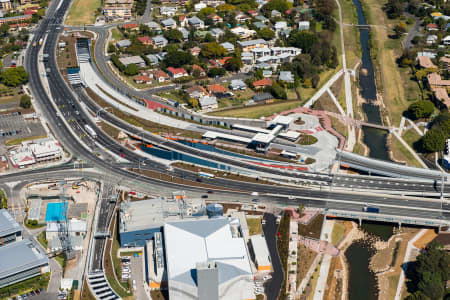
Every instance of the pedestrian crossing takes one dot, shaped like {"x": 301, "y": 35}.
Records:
{"x": 83, "y": 53}
{"x": 74, "y": 78}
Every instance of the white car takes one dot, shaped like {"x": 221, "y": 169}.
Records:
{"x": 134, "y": 284}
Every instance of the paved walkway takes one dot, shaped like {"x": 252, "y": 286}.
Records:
{"x": 323, "y": 89}
{"x": 325, "y": 266}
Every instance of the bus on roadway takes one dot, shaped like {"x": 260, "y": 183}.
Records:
{"x": 205, "y": 175}
{"x": 90, "y": 131}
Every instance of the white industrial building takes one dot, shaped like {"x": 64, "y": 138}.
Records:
{"x": 260, "y": 253}
{"x": 75, "y": 228}
{"x": 207, "y": 260}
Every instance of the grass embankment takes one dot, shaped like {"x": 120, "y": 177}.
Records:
{"x": 116, "y": 34}
{"x": 87, "y": 295}
{"x": 18, "y": 141}
{"x": 109, "y": 130}
{"x": 283, "y": 250}
{"x": 401, "y": 153}
{"x": 61, "y": 261}
{"x": 305, "y": 258}
{"x": 393, "y": 83}
{"x": 259, "y": 110}
{"x": 67, "y": 57}
{"x": 83, "y": 12}
{"x": 145, "y": 124}
{"x": 254, "y": 226}
{"x": 41, "y": 239}
{"x": 412, "y": 137}
{"x": 313, "y": 229}
{"x": 337, "y": 233}
{"x": 25, "y": 286}
{"x": 351, "y": 33}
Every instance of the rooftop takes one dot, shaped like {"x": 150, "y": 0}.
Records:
{"x": 7, "y": 224}
{"x": 20, "y": 256}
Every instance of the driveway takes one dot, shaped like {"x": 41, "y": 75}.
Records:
{"x": 270, "y": 229}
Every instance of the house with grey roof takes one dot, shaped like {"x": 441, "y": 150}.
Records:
{"x": 153, "y": 59}
{"x": 169, "y": 11}
{"x": 159, "y": 41}
{"x": 196, "y": 22}
{"x": 208, "y": 102}
{"x": 21, "y": 260}
{"x": 129, "y": 60}
{"x": 123, "y": 43}
{"x": 153, "y": 25}
{"x": 184, "y": 32}
{"x": 228, "y": 46}
{"x": 261, "y": 19}
{"x": 275, "y": 14}
{"x": 286, "y": 76}
{"x": 169, "y": 23}
{"x": 259, "y": 25}
{"x": 262, "y": 97}
{"x": 217, "y": 32}
{"x": 303, "y": 25}
{"x": 237, "y": 84}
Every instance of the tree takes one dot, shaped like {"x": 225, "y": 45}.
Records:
{"x": 421, "y": 109}
{"x": 434, "y": 140}
{"x": 394, "y": 8}
{"x": 173, "y": 35}
{"x": 280, "y": 5}
{"x": 119, "y": 65}
{"x": 233, "y": 64}
{"x": 178, "y": 58}
{"x": 400, "y": 29}
{"x": 112, "y": 48}
{"x": 14, "y": 76}
{"x": 131, "y": 70}
{"x": 303, "y": 40}
{"x": 214, "y": 72}
{"x": 278, "y": 91}
{"x": 315, "y": 80}
{"x": 213, "y": 50}
{"x": 205, "y": 12}
{"x": 226, "y": 8}
{"x": 266, "y": 33}
{"x": 193, "y": 103}
{"x": 25, "y": 101}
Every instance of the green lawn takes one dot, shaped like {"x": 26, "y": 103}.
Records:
{"x": 401, "y": 153}
{"x": 83, "y": 12}
{"x": 257, "y": 111}
{"x": 42, "y": 240}
{"x": 307, "y": 140}
{"x": 20, "y": 140}
{"x": 254, "y": 226}
{"x": 338, "y": 232}
{"x": 116, "y": 35}
{"x": 411, "y": 136}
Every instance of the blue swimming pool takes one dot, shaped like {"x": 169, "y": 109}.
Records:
{"x": 55, "y": 212}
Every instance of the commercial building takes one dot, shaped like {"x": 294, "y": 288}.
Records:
{"x": 140, "y": 220}
{"x": 207, "y": 259}
{"x": 21, "y": 260}
{"x": 260, "y": 253}
{"x": 118, "y": 9}
{"x": 10, "y": 230}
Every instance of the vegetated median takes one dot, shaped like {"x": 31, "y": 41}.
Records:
{"x": 283, "y": 250}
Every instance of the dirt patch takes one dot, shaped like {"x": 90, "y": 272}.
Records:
{"x": 305, "y": 258}
{"x": 426, "y": 238}
{"x": 313, "y": 229}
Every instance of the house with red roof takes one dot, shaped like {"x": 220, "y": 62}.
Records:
{"x": 200, "y": 69}
{"x": 183, "y": 20}
{"x": 259, "y": 84}
{"x": 131, "y": 26}
{"x": 142, "y": 79}
{"x": 432, "y": 27}
{"x": 147, "y": 41}
{"x": 252, "y": 13}
{"x": 217, "y": 90}
{"x": 177, "y": 72}
{"x": 196, "y": 51}
{"x": 223, "y": 61}
{"x": 215, "y": 18}
{"x": 161, "y": 76}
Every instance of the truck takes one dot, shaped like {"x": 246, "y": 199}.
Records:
{"x": 90, "y": 131}
{"x": 371, "y": 209}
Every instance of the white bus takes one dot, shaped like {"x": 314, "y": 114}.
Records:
{"x": 90, "y": 131}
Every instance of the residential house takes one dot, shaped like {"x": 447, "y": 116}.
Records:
{"x": 137, "y": 60}
{"x": 252, "y": 13}
{"x": 201, "y": 33}
{"x": 435, "y": 81}
{"x": 248, "y": 45}
{"x": 197, "y": 91}
{"x": 200, "y": 70}
{"x": 262, "y": 97}
{"x": 15, "y": 19}
{"x": 169, "y": 23}
{"x": 426, "y": 53}
{"x": 432, "y": 39}
{"x": 118, "y": 9}
{"x": 161, "y": 76}
{"x": 262, "y": 19}
{"x": 259, "y": 84}
{"x": 217, "y": 32}
{"x": 215, "y": 18}
{"x": 152, "y": 25}
{"x": 228, "y": 46}
{"x": 147, "y": 41}
{"x": 259, "y": 25}
{"x": 286, "y": 76}
{"x": 446, "y": 40}
{"x": 275, "y": 14}
{"x": 182, "y": 20}
{"x": 196, "y": 22}
{"x": 175, "y": 2}
{"x": 199, "y": 6}
{"x": 267, "y": 73}
{"x": 217, "y": 90}
{"x": 432, "y": 27}
{"x": 159, "y": 41}
{"x": 280, "y": 25}
{"x": 237, "y": 84}
{"x": 153, "y": 59}
{"x": 223, "y": 61}
{"x": 247, "y": 58}
{"x": 425, "y": 62}
{"x": 5, "y": 5}
{"x": 123, "y": 43}
{"x": 196, "y": 51}
{"x": 213, "y": 3}
{"x": 445, "y": 62}
{"x": 208, "y": 103}
{"x": 241, "y": 18}
{"x": 184, "y": 32}
{"x": 177, "y": 72}
{"x": 142, "y": 79}
{"x": 243, "y": 32}
{"x": 168, "y": 11}
{"x": 303, "y": 25}
{"x": 130, "y": 26}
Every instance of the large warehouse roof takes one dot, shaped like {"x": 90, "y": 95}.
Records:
{"x": 191, "y": 242}
{"x": 20, "y": 256}
{"x": 7, "y": 224}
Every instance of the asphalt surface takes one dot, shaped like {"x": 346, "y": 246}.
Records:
{"x": 273, "y": 287}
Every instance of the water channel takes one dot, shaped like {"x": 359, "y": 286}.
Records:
{"x": 375, "y": 139}
{"x": 362, "y": 281}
